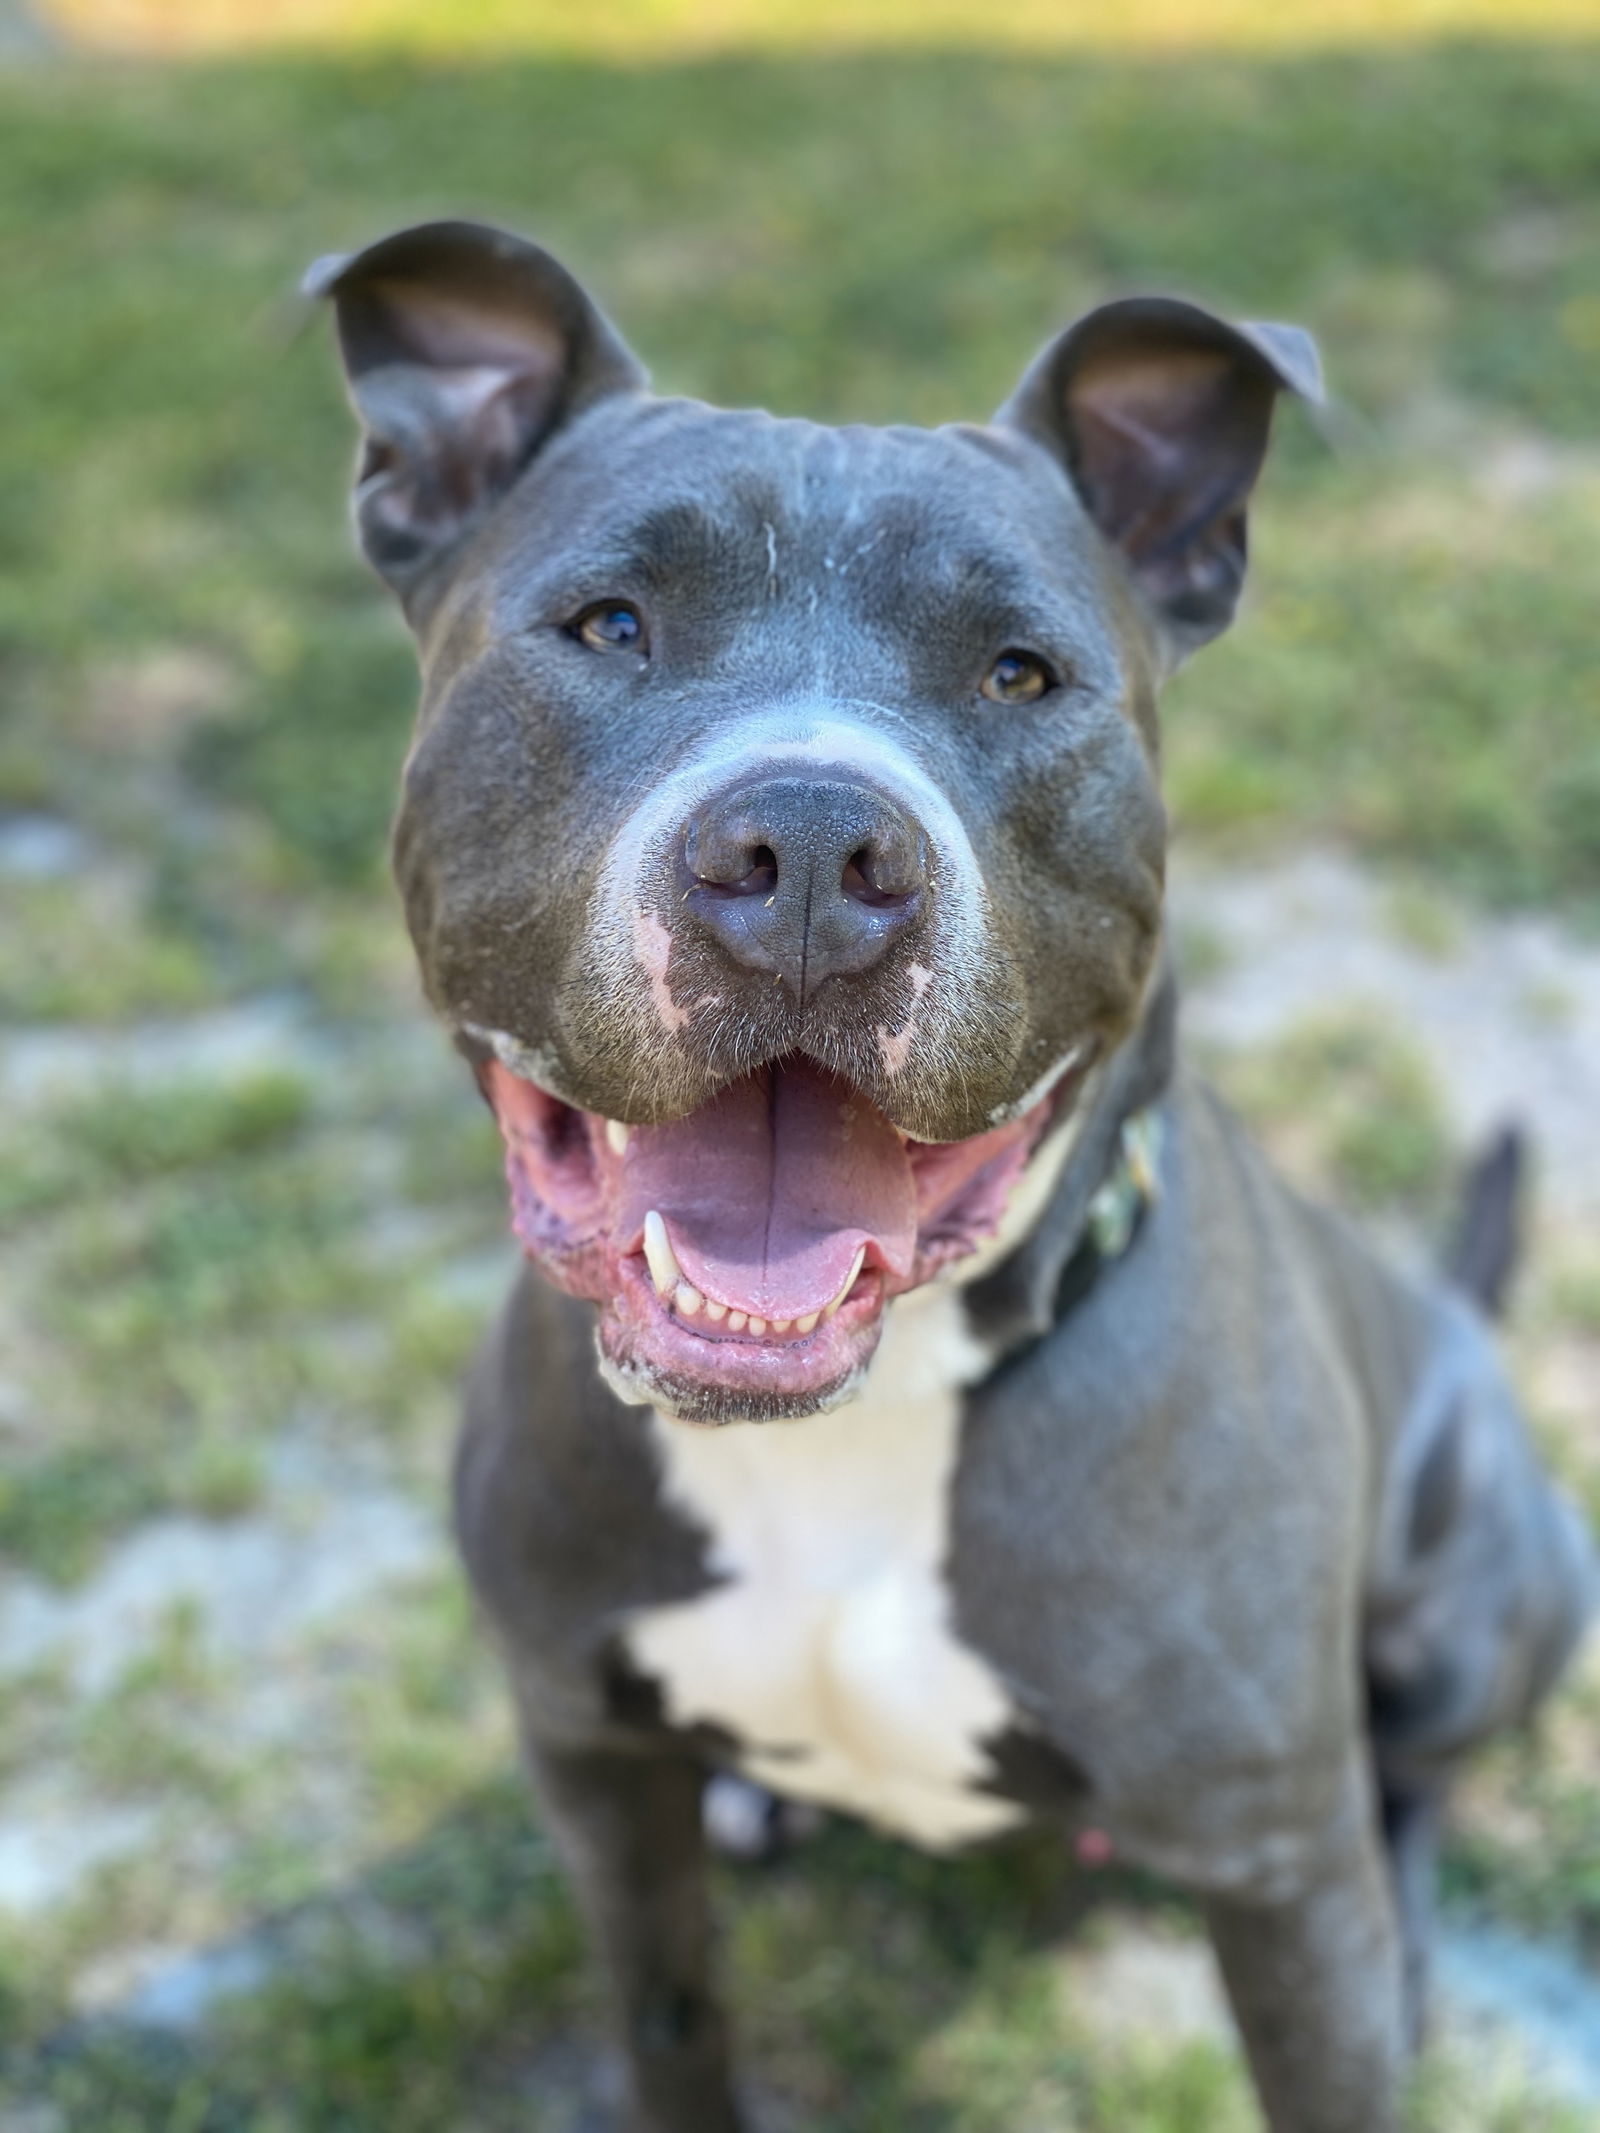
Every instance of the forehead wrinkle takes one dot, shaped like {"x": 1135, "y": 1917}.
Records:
{"x": 676, "y": 538}
{"x": 927, "y": 556}
{"x": 833, "y": 475}
{"x": 869, "y": 524}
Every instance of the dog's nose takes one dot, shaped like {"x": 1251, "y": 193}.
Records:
{"x": 809, "y": 878}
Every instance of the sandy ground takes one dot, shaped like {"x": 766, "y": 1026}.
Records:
{"x": 1507, "y": 1010}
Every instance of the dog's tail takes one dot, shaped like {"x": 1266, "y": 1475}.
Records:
{"x": 1488, "y": 1238}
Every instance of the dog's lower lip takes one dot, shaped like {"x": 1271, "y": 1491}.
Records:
{"x": 701, "y": 1371}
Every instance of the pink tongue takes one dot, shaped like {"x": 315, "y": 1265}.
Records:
{"x": 769, "y": 1190}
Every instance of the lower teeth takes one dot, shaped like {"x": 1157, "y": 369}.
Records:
{"x": 688, "y": 1302}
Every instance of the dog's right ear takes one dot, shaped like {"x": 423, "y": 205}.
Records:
{"x": 465, "y": 348}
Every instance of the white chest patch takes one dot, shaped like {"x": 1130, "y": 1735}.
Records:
{"x": 828, "y": 1650}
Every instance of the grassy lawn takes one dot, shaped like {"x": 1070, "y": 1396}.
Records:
{"x": 882, "y": 235}
{"x": 206, "y": 699}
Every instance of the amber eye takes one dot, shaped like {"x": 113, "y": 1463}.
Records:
{"x": 610, "y": 626}
{"x": 1017, "y": 678}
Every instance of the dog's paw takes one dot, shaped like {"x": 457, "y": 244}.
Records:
{"x": 745, "y": 1821}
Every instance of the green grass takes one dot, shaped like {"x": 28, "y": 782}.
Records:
{"x": 1352, "y": 1110}
{"x": 117, "y": 1137}
{"x": 1577, "y": 1296}
{"x": 199, "y": 1264}
{"x": 880, "y": 1992}
{"x": 195, "y": 671}
{"x": 884, "y": 235}
{"x": 642, "y": 29}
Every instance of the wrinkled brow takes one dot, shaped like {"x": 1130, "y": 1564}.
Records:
{"x": 682, "y": 540}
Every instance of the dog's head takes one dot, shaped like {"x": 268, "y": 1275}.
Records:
{"x": 782, "y": 836}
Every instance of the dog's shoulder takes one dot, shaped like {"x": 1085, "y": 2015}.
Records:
{"x": 559, "y": 1511}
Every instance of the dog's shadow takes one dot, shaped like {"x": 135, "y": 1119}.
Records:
{"x": 447, "y": 1988}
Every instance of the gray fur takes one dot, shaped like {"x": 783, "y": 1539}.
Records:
{"x": 1254, "y": 1534}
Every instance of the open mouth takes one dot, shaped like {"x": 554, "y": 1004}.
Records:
{"x": 742, "y": 1256}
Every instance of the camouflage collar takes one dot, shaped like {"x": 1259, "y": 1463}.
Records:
{"x": 1118, "y": 1207}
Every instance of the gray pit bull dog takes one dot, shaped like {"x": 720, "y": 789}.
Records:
{"x": 980, "y": 1430}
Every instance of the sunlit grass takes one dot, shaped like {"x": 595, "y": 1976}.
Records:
{"x": 636, "y": 29}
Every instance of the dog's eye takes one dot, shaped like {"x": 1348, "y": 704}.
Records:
{"x": 610, "y": 626}
{"x": 1017, "y": 678}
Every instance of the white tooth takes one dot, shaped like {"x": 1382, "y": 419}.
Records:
{"x": 808, "y": 1324}
{"x": 849, "y": 1281}
{"x": 617, "y": 1136}
{"x": 781, "y": 1325}
{"x": 758, "y": 1325}
{"x": 715, "y": 1311}
{"x": 661, "y": 1259}
{"x": 737, "y": 1321}
{"x": 686, "y": 1299}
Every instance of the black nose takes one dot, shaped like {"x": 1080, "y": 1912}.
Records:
{"x": 810, "y": 878}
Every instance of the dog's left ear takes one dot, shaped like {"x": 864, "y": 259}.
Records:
{"x": 1162, "y": 412}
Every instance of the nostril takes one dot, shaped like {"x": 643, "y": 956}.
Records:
{"x": 866, "y": 880}
{"x": 759, "y": 876}
{"x": 725, "y": 859}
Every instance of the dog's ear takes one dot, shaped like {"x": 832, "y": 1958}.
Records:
{"x": 465, "y": 348}
{"x": 1161, "y": 412}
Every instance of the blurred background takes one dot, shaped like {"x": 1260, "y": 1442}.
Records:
{"x": 264, "y": 1860}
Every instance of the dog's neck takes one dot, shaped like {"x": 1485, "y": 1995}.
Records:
{"x": 1018, "y": 1301}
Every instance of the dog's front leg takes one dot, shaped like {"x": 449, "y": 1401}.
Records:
{"x": 629, "y": 1828}
{"x": 1318, "y": 1992}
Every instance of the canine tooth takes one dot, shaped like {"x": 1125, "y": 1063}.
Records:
{"x": 737, "y": 1321}
{"x": 808, "y": 1324}
{"x": 849, "y": 1281}
{"x": 686, "y": 1299}
{"x": 714, "y": 1311}
{"x": 758, "y": 1325}
{"x": 661, "y": 1259}
{"x": 617, "y": 1136}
